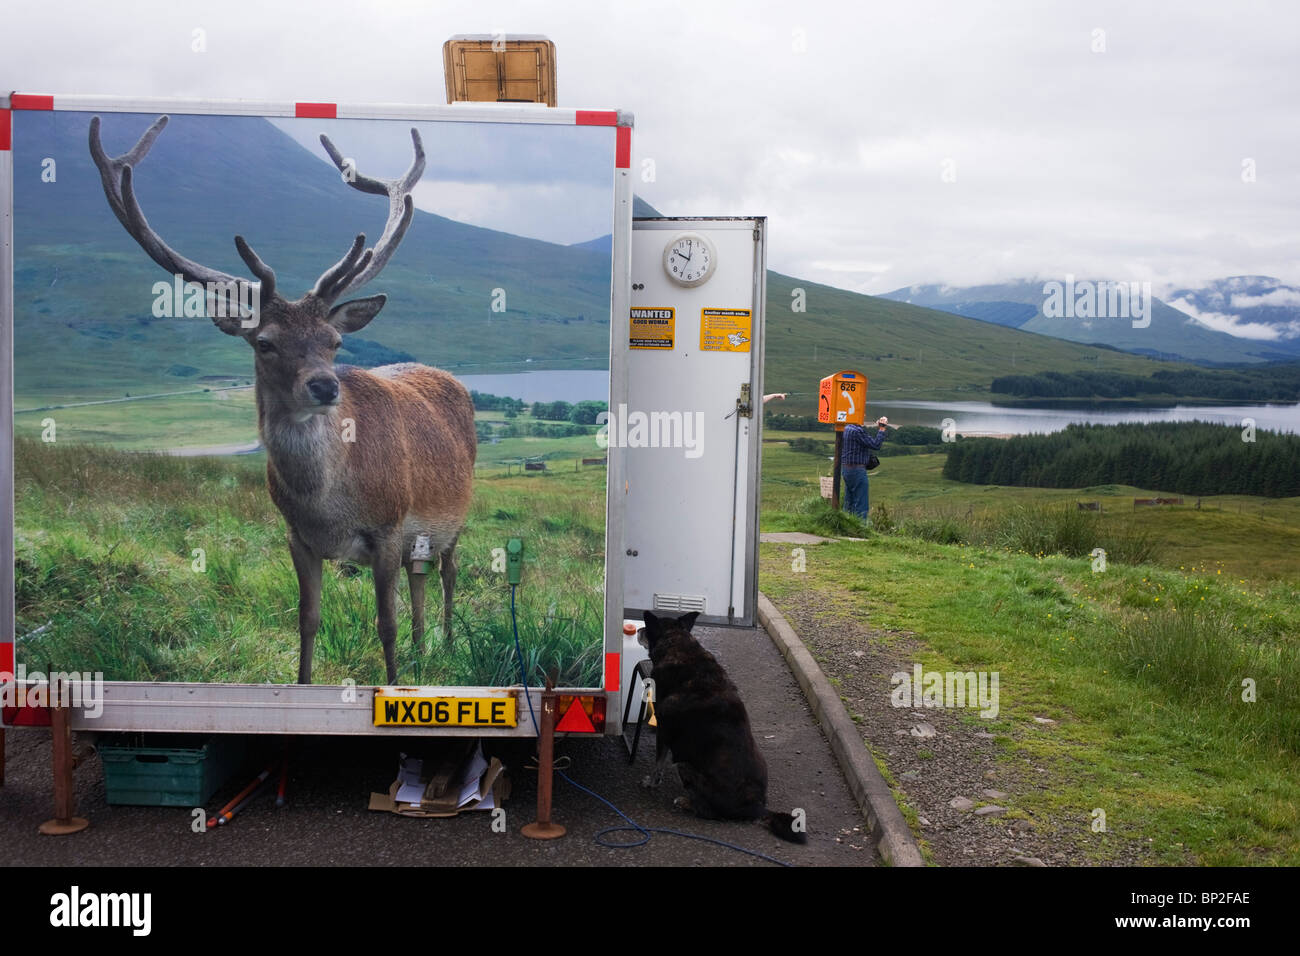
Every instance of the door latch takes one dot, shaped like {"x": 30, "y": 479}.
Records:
{"x": 744, "y": 406}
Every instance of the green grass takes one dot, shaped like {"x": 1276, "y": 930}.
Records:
{"x": 105, "y": 554}
{"x": 1148, "y": 666}
{"x": 1245, "y": 535}
{"x": 1151, "y": 724}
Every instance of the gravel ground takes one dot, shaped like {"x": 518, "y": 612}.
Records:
{"x": 960, "y": 759}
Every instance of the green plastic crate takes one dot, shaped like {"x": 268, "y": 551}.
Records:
{"x": 167, "y": 771}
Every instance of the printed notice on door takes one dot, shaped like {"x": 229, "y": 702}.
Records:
{"x": 652, "y": 329}
{"x": 725, "y": 330}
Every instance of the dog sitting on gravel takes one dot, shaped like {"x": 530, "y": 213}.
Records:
{"x": 703, "y": 724}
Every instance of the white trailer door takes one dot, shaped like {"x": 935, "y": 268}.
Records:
{"x": 693, "y": 420}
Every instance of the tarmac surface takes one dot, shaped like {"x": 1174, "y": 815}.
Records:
{"x": 327, "y": 823}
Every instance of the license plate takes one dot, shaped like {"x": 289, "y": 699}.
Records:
{"x": 444, "y": 711}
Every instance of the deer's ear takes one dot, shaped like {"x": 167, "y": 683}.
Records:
{"x": 233, "y": 325}
{"x": 356, "y": 315}
{"x": 225, "y": 310}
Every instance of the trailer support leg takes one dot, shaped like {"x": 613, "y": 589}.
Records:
{"x": 543, "y": 828}
{"x": 65, "y": 806}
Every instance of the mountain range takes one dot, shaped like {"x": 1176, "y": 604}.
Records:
{"x": 1268, "y": 308}
{"x": 1247, "y": 306}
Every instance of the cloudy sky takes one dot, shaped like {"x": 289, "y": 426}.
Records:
{"x": 548, "y": 182}
{"x": 889, "y": 144}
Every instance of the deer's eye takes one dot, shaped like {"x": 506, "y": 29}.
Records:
{"x": 265, "y": 346}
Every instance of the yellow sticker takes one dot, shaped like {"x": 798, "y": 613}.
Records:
{"x": 725, "y": 330}
{"x": 652, "y": 328}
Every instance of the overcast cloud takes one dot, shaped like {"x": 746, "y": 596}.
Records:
{"x": 889, "y": 144}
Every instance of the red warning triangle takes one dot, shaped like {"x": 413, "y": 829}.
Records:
{"x": 575, "y": 720}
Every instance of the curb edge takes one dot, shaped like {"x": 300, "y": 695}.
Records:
{"x": 885, "y": 822}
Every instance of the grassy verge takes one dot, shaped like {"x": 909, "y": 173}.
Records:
{"x": 1251, "y": 537}
{"x": 1175, "y": 685}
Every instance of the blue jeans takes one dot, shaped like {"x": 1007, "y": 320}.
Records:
{"x": 855, "y": 487}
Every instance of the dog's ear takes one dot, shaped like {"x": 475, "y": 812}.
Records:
{"x": 652, "y": 630}
{"x": 687, "y": 621}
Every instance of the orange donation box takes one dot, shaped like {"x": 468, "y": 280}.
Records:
{"x": 843, "y": 398}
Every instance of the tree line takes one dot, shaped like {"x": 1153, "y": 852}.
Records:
{"x": 1278, "y": 382}
{"x": 1192, "y": 458}
{"x": 487, "y": 402}
{"x": 905, "y": 435}
{"x": 581, "y": 413}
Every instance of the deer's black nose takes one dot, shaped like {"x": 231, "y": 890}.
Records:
{"x": 324, "y": 390}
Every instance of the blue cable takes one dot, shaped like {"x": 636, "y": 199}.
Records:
{"x": 645, "y": 832}
{"x": 519, "y": 656}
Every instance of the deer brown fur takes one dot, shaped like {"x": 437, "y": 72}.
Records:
{"x": 360, "y": 463}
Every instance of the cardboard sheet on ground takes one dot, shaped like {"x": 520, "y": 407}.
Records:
{"x": 466, "y": 780}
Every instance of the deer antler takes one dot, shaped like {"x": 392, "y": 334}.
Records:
{"x": 357, "y": 268}
{"x": 117, "y": 174}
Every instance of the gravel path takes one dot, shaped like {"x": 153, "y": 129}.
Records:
{"x": 965, "y": 792}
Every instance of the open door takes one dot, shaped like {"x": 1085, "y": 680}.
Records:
{"x": 693, "y": 421}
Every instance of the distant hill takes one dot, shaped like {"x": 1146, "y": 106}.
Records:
{"x": 640, "y": 210}
{"x": 906, "y": 351}
{"x": 1172, "y": 334}
{"x": 1228, "y": 304}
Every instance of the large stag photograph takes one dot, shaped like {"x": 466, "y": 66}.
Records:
{"x": 247, "y": 472}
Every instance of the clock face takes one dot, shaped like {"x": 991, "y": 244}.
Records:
{"x": 690, "y": 259}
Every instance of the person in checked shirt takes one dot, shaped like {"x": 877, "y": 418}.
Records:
{"x": 859, "y": 442}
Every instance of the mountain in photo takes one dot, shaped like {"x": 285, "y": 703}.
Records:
{"x": 1172, "y": 334}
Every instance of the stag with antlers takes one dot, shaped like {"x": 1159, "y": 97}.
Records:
{"x": 373, "y": 467}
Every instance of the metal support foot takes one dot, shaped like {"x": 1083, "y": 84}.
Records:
{"x": 65, "y": 803}
{"x": 543, "y": 828}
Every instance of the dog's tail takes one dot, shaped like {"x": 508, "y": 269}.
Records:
{"x": 786, "y": 826}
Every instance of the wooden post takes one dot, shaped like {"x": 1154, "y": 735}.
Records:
{"x": 835, "y": 482}
{"x": 543, "y": 828}
{"x": 65, "y": 796}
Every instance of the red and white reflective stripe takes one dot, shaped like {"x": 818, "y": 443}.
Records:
{"x": 460, "y": 112}
{"x": 623, "y": 147}
{"x": 9, "y": 716}
{"x": 596, "y": 118}
{"x": 316, "y": 110}
{"x": 31, "y": 101}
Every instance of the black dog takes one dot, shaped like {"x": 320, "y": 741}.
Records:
{"x": 703, "y": 723}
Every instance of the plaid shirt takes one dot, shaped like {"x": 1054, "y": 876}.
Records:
{"x": 858, "y": 443}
